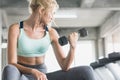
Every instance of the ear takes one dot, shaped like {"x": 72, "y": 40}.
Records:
{"x": 41, "y": 10}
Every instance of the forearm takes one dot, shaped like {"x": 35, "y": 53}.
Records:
{"x": 23, "y": 69}
{"x": 69, "y": 59}
{"x": 35, "y": 72}
{"x": 73, "y": 41}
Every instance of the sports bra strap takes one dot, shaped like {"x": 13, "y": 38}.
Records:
{"x": 21, "y": 24}
{"x": 46, "y": 28}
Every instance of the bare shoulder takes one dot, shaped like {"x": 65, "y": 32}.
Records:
{"x": 14, "y": 28}
{"x": 53, "y": 34}
{"x": 52, "y": 31}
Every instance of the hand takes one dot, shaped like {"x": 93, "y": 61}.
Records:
{"x": 38, "y": 75}
{"x": 73, "y": 37}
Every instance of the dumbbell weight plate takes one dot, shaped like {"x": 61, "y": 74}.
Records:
{"x": 83, "y": 32}
{"x": 63, "y": 40}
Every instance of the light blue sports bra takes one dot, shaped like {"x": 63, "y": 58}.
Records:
{"x": 29, "y": 47}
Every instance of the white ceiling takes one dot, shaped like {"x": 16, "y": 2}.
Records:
{"x": 83, "y": 17}
{"x": 72, "y": 17}
{"x": 85, "y": 13}
{"x": 67, "y": 3}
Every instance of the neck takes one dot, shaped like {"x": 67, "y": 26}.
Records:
{"x": 34, "y": 22}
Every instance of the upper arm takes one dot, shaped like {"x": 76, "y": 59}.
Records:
{"x": 59, "y": 53}
{"x": 12, "y": 43}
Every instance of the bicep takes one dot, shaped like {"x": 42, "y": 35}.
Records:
{"x": 59, "y": 53}
{"x": 12, "y": 44}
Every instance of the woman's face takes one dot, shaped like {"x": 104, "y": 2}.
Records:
{"x": 48, "y": 16}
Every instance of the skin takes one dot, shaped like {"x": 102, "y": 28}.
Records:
{"x": 34, "y": 28}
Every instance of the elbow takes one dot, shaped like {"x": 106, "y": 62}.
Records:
{"x": 11, "y": 63}
{"x": 65, "y": 68}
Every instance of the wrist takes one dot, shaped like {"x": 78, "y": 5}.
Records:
{"x": 32, "y": 71}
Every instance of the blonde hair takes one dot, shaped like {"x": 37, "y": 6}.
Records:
{"x": 46, "y": 4}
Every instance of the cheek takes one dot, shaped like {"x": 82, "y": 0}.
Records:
{"x": 45, "y": 20}
{"x": 48, "y": 17}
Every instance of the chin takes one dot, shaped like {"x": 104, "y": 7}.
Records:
{"x": 49, "y": 24}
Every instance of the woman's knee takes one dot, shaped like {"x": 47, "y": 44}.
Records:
{"x": 82, "y": 72}
{"x": 10, "y": 68}
{"x": 9, "y": 72}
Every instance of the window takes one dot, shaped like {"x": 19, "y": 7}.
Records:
{"x": 112, "y": 43}
{"x": 85, "y": 53}
{"x": 108, "y": 45}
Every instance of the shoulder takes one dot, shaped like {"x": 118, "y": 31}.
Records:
{"x": 52, "y": 31}
{"x": 14, "y": 28}
{"x": 53, "y": 34}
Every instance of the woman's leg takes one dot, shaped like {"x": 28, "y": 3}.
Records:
{"x": 77, "y": 73}
{"x": 81, "y": 73}
{"x": 10, "y": 72}
{"x": 57, "y": 75}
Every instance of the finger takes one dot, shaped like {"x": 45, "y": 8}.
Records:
{"x": 41, "y": 78}
{"x": 76, "y": 33}
{"x": 38, "y": 78}
{"x": 45, "y": 77}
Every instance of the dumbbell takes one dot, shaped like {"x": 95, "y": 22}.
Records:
{"x": 63, "y": 40}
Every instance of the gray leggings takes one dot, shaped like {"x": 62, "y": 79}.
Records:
{"x": 10, "y": 72}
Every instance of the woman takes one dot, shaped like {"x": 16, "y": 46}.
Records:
{"x": 29, "y": 40}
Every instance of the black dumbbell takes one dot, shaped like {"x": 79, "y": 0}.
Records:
{"x": 63, "y": 40}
